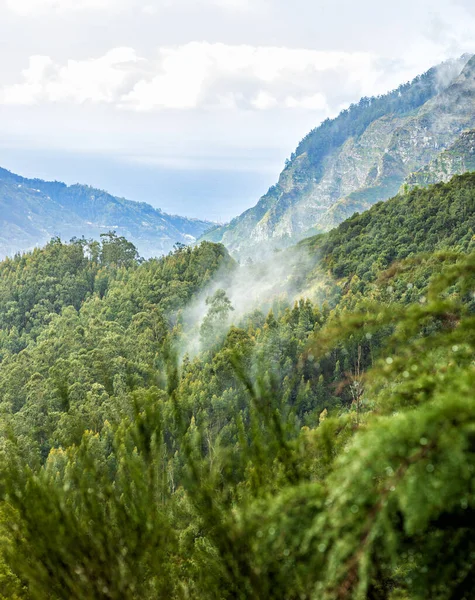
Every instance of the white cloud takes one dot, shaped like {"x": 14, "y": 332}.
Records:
{"x": 264, "y": 100}
{"x": 178, "y": 83}
{"x": 95, "y": 80}
{"x": 314, "y": 102}
{"x": 150, "y": 9}
{"x": 203, "y": 75}
{"x": 233, "y": 5}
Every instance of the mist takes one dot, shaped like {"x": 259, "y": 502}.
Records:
{"x": 277, "y": 281}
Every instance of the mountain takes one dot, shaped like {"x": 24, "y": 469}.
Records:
{"x": 455, "y": 160}
{"x": 421, "y": 221}
{"x": 363, "y": 156}
{"x": 32, "y": 211}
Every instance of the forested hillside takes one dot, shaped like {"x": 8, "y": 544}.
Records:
{"x": 32, "y": 211}
{"x": 421, "y": 221}
{"x": 361, "y": 157}
{"x": 159, "y": 442}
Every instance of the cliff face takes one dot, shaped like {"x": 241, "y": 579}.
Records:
{"x": 358, "y": 159}
{"x": 455, "y": 160}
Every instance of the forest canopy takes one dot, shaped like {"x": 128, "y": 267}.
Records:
{"x": 321, "y": 446}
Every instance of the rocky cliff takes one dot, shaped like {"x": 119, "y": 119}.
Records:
{"x": 455, "y": 160}
{"x": 361, "y": 157}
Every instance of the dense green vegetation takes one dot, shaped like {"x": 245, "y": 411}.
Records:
{"x": 423, "y": 221}
{"x": 322, "y": 448}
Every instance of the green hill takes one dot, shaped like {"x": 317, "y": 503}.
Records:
{"x": 441, "y": 217}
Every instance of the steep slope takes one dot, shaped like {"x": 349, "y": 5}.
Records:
{"x": 350, "y": 258}
{"x": 455, "y": 160}
{"x": 32, "y": 211}
{"x": 363, "y": 156}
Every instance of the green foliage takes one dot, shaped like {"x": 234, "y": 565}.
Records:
{"x": 117, "y": 250}
{"x": 316, "y": 451}
{"x": 389, "y": 252}
{"x": 34, "y": 287}
{"x": 69, "y": 371}
{"x": 424, "y": 220}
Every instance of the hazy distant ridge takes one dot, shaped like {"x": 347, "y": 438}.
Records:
{"x": 32, "y": 211}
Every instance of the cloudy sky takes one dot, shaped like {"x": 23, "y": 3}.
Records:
{"x": 193, "y": 105}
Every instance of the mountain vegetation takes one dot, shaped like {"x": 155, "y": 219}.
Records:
{"x": 33, "y": 211}
{"x": 157, "y": 442}
{"x": 363, "y": 156}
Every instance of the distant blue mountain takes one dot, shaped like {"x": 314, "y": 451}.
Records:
{"x": 32, "y": 211}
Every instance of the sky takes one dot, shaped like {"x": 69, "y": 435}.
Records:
{"x": 194, "y": 105}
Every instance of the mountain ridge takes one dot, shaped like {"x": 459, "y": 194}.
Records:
{"x": 33, "y": 211}
{"x": 361, "y": 157}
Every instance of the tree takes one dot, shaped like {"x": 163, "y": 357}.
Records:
{"x": 117, "y": 251}
{"x": 214, "y": 324}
